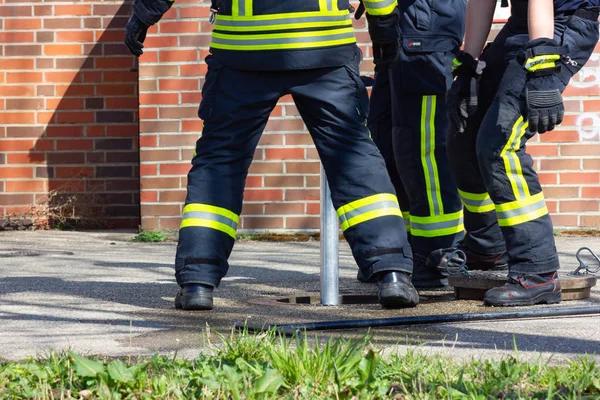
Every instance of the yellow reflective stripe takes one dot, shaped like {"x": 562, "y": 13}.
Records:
{"x": 437, "y": 219}
{"x": 541, "y": 62}
{"x": 207, "y": 223}
{"x": 514, "y": 205}
{"x": 479, "y": 209}
{"x": 382, "y": 212}
{"x": 521, "y": 211}
{"x": 476, "y": 202}
{"x": 248, "y": 4}
{"x": 195, "y": 207}
{"x": 323, "y": 5}
{"x": 432, "y": 180}
{"x": 277, "y": 27}
{"x": 520, "y": 219}
{"x": 436, "y": 175}
{"x": 368, "y": 208}
{"x": 434, "y": 226}
{"x": 235, "y": 8}
{"x": 455, "y": 64}
{"x": 276, "y": 41}
{"x": 290, "y": 16}
{"x": 366, "y": 201}
{"x": 518, "y": 212}
{"x": 305, "y": 45}
{"x": 438, "y": 232}
{"x": 512, "y": 164}
{"x": 380, "y": 7}
{"x": 474, "y": 196}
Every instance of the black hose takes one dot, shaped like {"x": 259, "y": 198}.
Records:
{"x": 291, "y": 329}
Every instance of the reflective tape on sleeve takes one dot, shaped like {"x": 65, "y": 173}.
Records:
{"x": 380, "y": 7}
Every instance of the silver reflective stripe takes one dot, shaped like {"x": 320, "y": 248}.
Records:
{"x": 210, "y": 216}
{"x": 364, "y": 209}
{"x": 436, "y": 225}
{"x": 511, "y": 156}
{"x": 378, "y": 4}
{"x": 477, "y": 203}
{"x": 241, "y": 7}
{"x": 330, "y": 5}
{"x": 288, "y": 40}
{"x": 281, "y": 21}
{"x": 522, "y": 210}
{"x": 430, "y": 155}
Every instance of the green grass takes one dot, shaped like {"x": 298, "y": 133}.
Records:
{"x": 150, "y": 236}
{"x": 267, "y": 366}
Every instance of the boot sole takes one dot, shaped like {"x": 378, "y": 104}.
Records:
{"x": 194, "y": 303}
{"x": 544, "y": 298}
{"x": 395, "y": 297}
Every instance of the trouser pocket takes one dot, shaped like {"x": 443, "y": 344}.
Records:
{"x": 210, "y": 88}
{"x": 425, "y": 65}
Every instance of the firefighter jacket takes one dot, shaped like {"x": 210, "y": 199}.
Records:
{"x": 280, "y": 35}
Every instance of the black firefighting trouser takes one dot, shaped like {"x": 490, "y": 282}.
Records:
{"x": 504, "y": 203}
{"x": 408, "y": 122}
{"x": 333, "y": 104}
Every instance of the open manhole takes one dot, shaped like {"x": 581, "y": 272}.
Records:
{"x": 32, "y": 253}
{"x": 574, "y": 287}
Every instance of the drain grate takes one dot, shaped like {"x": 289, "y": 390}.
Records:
{"x": 4, "y": 253}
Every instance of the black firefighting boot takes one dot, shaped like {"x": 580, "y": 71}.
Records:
{"x": 426, "y": 275}
{"x": 396, "y": 290}
{"x": 195, "y": 296}
{"x": 525, "y": 290}
{"x": 452, "y": 258}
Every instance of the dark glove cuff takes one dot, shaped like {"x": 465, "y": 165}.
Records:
{"x": 465, "y": 64}
{"x": 150, "y": 12}
{"x": 541, "y": 57}
{"x": 385, "y": 28}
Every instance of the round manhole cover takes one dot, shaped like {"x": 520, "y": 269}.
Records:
{"x": 32, "y": 253}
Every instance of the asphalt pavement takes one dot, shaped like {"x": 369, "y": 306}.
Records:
{"x": 100, "y": 293}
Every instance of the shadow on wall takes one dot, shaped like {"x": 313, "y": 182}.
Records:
{"x": 90, "y": 143}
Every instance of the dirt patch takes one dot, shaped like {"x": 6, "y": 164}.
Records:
{"x": 580, "y": 233}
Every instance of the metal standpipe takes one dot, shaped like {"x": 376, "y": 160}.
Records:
{"x": 330, "y": 288}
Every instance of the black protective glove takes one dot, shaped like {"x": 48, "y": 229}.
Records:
{"x": 543, "y": 99}
{"x": 462, "y": 97}
{"x": 385, "y": 33}
{"x": 135, "y": 34}
{"x": 145, "y": 14}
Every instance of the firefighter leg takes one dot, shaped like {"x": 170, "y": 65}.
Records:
{"x": 333, "y": 103}
{"x": 379, "y": 123}
{"x": 483, "y": 242}
{"x": 419, "y": 144}
{"x": 235, "y": 109}
{"x": 513, "y": 184}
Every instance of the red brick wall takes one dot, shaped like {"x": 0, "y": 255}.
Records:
{"x": 283, "y": 185}
{"x": 68, "y": 122}
{"x": 68, "y": 111}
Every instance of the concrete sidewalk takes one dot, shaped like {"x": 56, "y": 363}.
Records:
{"x": 113, "y": 297}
